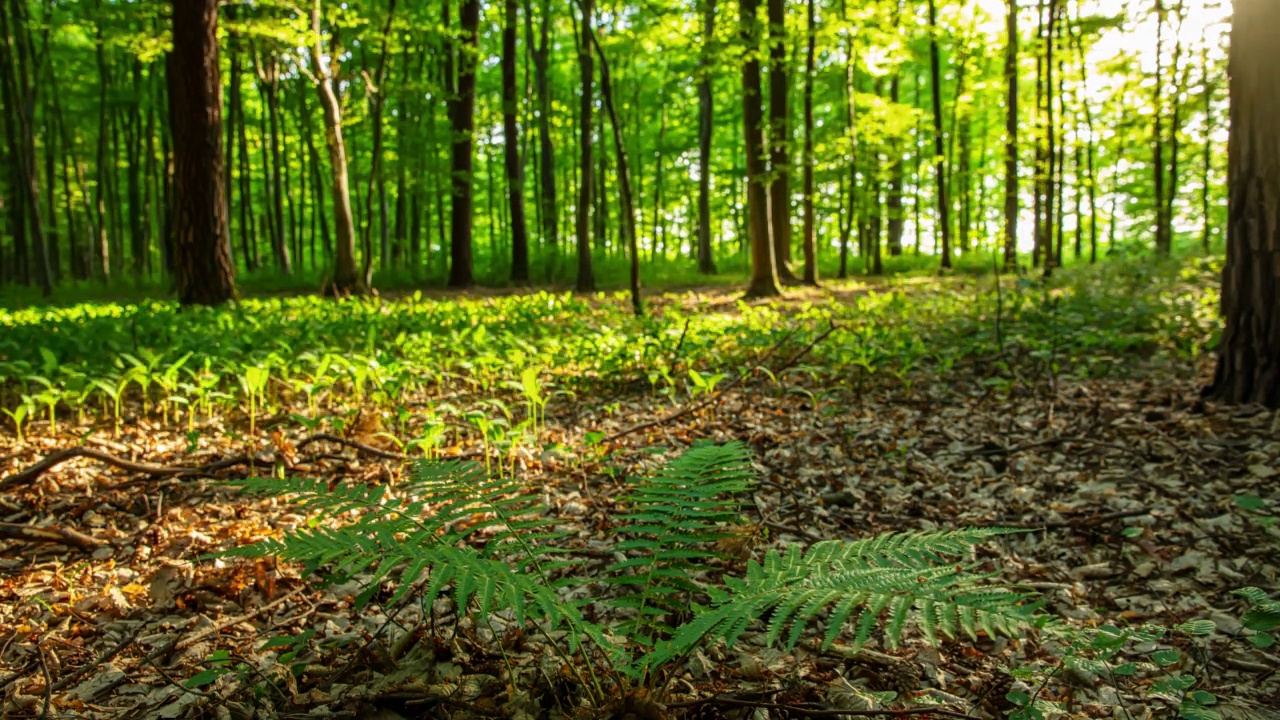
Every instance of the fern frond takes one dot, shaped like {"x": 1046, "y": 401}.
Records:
{"x": 675, "y": 518}
{"x": 904, "y": 576}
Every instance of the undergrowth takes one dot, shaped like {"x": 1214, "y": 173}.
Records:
{"x": 487, "y": 544}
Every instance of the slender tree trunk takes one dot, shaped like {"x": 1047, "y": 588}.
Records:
{"x": 810, "y": 221}
{"x": 780, "y": 141}
{"x": 764, "y": 274}
{"x": 205, "y": 273}
{"x": 1011, "y": 138}
{"x": 346, "y": 278}
{"x": 706, "y": 119}
{"x": 896, "y": 177}
{"x": 935, "y": 74}
{"x": 659, "y": 229}
{"x": 1051, "y": 151}
{"x": 20, "y": 95}
{"x": 514, "y": 166}
{"x": 1248, "y": 368}
{"x": 1163, "y": 241}
{"x": 586, "y": 280}
{"x": 624, "y": 172}
{"x": 464, "y": 111}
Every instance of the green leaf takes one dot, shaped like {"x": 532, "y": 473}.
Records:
{"x": 1251, "y": 502}
{"x": 205, "y": 677}
{"x": 1196, "y": 627}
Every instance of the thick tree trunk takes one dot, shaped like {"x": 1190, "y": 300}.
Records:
{"x": 1249, "y": 352}
{"x": 706, "y": 119}
{"x": 586, "y": 280}
{"x": 779, "y": 141}
{"x": 205, "y": 274}
{"x": 764, "y": 273}
{"x": 346, "y": 277}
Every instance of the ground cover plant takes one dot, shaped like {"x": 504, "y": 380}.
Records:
{"x": 960, "y": 497}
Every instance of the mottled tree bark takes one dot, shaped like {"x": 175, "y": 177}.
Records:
{"x": 764, "y": 273}
{"x": 204, "y": 272}
{"x": 1249, "y": 353}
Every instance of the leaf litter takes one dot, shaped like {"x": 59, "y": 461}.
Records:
{"x": 1142, "y": 504}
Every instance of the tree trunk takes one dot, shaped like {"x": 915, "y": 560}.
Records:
{"x": 1163, "y": 241}
{"x": 1051, "y": 151}
{"x": 764, "y": 273}
{"x": 1011, "y": 138}
{"x": 810, "y": 222}
{"x": 205, "y": 274}
{"x": 586, "y": 280}
{"x": 1249, "y": 353}
{"x": 935, "y": 74}
{"x": 514, "y": 168}
{"x": 896, "y": 177}
{"x": 706, "y": 119}
{"x": 463, "y": 115}
{"x": 346, "y": 278}
{"x": 624, "y": 172}
{"x": 779, "y": 141}
{"x": 20, "y": 95}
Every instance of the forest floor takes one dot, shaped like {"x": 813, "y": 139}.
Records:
{"x": 1143, "y": 504}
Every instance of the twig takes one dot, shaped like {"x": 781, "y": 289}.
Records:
{"x": 48, "y": 682}
{"x": 178, "y": 642}
{"x": 1073, "y": 523}
{"x": 368, "y": 449}
{"x": 715, "y": 398}
{"x": 106, "y": 657}
{"x": 52, "y": 534}
{"x": 817, "y": 712}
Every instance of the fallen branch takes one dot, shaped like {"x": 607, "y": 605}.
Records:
{"x": 57, "y": 457}
{"x": 70, "y": 678}
{"x": 714, "y": 398}
{"x": 49, "y": 534}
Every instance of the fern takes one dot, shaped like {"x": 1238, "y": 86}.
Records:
{"x": 675, "y": 517}
{"x": 487, "y": 539}
{"x": 443, "y": 514}
{"x": 887, "y": 581}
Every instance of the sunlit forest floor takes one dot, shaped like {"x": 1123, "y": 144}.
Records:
{"x": 1069, "y": 408}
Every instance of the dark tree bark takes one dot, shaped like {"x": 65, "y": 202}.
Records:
{"x": 1011, "y": 138}
{"x": 1051, "y": 151}
{"x": 586, "y": 280}
{"x": 779, "y": 141}
{"x": 706, "y": 119}
{"x": 346, "y": 277}
{"x": 376, "y": 186}
{"x": 764, "y": 273}
{"x": 935, "y": 75}
{"x": 1249, "y": 352}
{"x": 205, "y": 274}
{"x": 1163, "y": 240}
{"x": 549, "y": 210}
{"x": 514, "y": 167}
{"x": 810, "y": 224}
{"x": 896, "y": 177}
{"x": 463, "y": 116}
{"x": 268, "y": 70}
{"x": 20, "y": 95}
{"x": 624, "y": 171}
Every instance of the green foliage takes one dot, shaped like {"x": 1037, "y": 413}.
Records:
{"x": 485, "y": 540}
{"x": 886, "y": 581}
{"x": 673, "y": 518}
